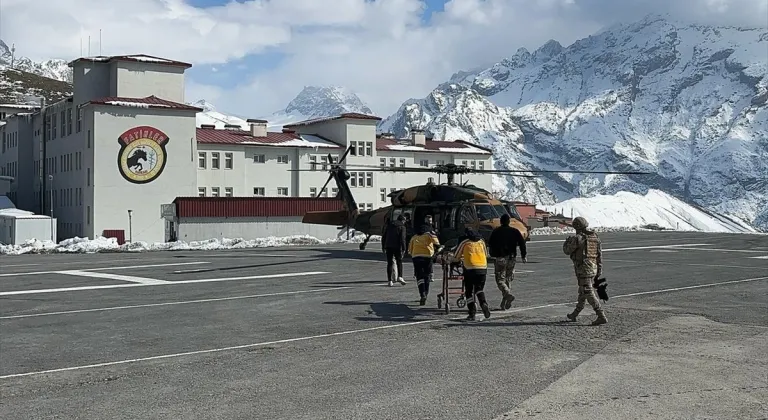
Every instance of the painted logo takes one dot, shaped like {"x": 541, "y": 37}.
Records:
{"x": 142, "y": 154}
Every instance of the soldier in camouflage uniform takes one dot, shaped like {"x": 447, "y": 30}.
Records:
{"x": 586, "y": 253}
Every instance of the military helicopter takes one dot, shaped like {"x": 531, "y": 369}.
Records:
{"x": 453, "y": 207}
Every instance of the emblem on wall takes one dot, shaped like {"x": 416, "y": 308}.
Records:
{"x": 142, "y": 154}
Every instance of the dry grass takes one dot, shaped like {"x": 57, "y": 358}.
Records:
{"x": 20, "y": 87}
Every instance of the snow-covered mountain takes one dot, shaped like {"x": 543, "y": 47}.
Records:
{"x": 311, "y": 102}
{"x": 317, "y": 102}
{"x": 53, "y": 69}
{"x": 685, "y": 102}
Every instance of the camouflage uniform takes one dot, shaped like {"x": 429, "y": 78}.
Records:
{"x": 504, "y": 270}
{"x": 586, "y": 253}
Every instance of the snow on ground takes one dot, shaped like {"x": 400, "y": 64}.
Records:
{"x": 629, "y": 210}
{"x": 101, "y": 244}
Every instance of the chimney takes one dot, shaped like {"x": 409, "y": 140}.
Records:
{"x": 258, "y": 127}
{"x": 418, "y": 137}
{"x": 231, "y": 127}
{"x": 387, "y": 136}
{"x": 207, "y": 126}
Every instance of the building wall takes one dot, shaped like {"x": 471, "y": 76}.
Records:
{"x": 17, "y": 230}
{"x": 9, "y": 154}
{"x": 130, "y": 79}
{"x": 113, "y": 195}
{"x": 199, "y": 229}
{"x": 91, "y": 80}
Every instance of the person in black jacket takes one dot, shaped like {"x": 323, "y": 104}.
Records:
{"x": 393, "y": 244}
{"x": 503, "y": 245}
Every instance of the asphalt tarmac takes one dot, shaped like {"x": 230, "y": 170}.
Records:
{"x": 315, "y": 333}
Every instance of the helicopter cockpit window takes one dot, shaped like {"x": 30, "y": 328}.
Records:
{"x": 513, "y": 211}
{"x": 501, "y": 210}
{"x": 485, "y": 212}
{"x": 467, "y": 216}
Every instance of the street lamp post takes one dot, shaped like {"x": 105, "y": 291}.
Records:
{"x": 130, "y": 226}
{"x": 50, "y": 187}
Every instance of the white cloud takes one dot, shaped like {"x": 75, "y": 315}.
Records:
{"x": 382, "y": 50}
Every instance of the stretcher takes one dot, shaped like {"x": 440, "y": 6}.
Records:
{"x": 453, "y": 283}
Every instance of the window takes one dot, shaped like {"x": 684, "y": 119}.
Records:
{"x": 481, "y": 164}
{"x": 369, "y": 149}
{"x": 353, "y": 148}
{"x": 464, "y": 162}
{"x": 88, "y": 177}
{"x": 353, "y": 179}
{"x": 282, "y": 159}
{"x": 361, "y": 179}
{"x": 282, "y": 191}
{"x": 424, "y": 162}
{"x": 313, "y": 162}
{"x": 383, "y": 195}
{"x": 382, "y": 162}
{"x": 63, "y": 124}
{"x": 201, "y": 160}
{"x": 474, "y": 164}
{"x": 214, "y": 191}
{"x": 391, "y": 190}
{"x": 53, "y": 127}
{"x": 335, "y": 191}
{"x": 369, "y": 206}
{"x": 258, "y": 191}
{"x": 89, "y": 139}
{"x": 361, "y": 206}
{"x": 215, "y": 160}
{"x": 324, "y": 161}
{"x": 325, "y": 192}
{"x": 69, "y": 121}
{"x": 227, "y": 191}
{"x": 79, "y": 119}
{"x": 391, "y": 162}
{"x": 228, "y": 160}
{"x": 313, "y": 192}
{"x": 88, "y": 215}
{"x": 258, "y": 159}
{"x": 369, "y": 179}
{"x": 402, "y": 162}
{"x": 361, "y": 148}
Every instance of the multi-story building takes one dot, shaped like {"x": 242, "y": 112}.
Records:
{"x": 125, "y": 143}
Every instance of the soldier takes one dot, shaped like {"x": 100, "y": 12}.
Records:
{"x": 503, "y": 245}
{"x": 394, "y": 246}
{"x": 586, "y": 253}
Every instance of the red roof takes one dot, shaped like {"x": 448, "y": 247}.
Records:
{"x": 456, "y": 146}
{"x": 348, "y": 115}
{"x": 139, "y": 58}
{"x": 253, "y": 206}
{"x": 286, "y": 138}
{"x": 148, "y": 102}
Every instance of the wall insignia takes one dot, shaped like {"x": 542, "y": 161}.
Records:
{"x": 142, "y": 154}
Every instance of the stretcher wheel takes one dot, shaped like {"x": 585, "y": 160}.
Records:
{"x": 461, "y": 302}
{"x": 439, "y": 302}
{"x": 447, "y": 307}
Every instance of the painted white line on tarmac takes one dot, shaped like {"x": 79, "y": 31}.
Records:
{"x": 349, "y": 332}
{"x": 170, "y": 283}
{"x": 764, "y": 257}
{"x": 130, "y": 279}
{"x": 184, "y": 302}
{"x": 125, "y": 267}
{"x": 748, "y": 251}
{"x": 652, "y": 247}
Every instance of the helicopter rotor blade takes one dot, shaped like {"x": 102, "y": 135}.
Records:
{"x": 344, "y": 156}
{"x": 564, "y": 171}
{"x": 320, "y": 193}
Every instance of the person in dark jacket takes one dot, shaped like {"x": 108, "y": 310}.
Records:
{"x": 393, "y": 244}
{"x": 503, "y": 245}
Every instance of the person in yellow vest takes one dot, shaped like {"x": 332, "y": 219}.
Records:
{"x": 422, "y": 249}
{"x": 472, "y": 254}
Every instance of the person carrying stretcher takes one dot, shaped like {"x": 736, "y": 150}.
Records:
{"x": 472, "y": 254}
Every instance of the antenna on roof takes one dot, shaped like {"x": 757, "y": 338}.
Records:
{"x": 89, "y": 45}
{"x": 81, "y": 46}
{"x": 99, "y": 41}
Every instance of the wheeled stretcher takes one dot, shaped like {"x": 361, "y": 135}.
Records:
{"x": 453, "y": 283}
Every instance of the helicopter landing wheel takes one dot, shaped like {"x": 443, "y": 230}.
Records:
{"x": 362, "y": 246}
{"x": 461, "y": 302}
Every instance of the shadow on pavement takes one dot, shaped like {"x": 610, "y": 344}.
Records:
{"x": 384, "y": 311}
{"x": 243, "y": 267}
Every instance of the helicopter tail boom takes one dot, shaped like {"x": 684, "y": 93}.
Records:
{"x": 332, "y": 218}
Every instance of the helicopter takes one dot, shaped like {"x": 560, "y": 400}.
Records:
{"x": 453, "y": 207}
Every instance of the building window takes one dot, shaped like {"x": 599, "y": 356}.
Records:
{"x": 324, "y": 162}
{"x": 392, "y": 162}
{"x": 313, "y": 192}
{"x": 63, "y": 124}
{"x": 361, "y": 179}
{"x": 474, "y": 164}
{"x": 89, "y": 139}
{"x": 201, "y": 191}
{"x": 227, "y": 191}
{"x": 53, "y": 127}
{"x": 228, "y": 160}
{"x": 369, "y": 206}
{"x": 282, "y": 159}
{"x": 383, "y": 195}
{"x": 258, "y": 191}
{"x": 369, "y": 179}
{"x": 201, "y": 160}
{"x": 369, "y": 149}
{"x": 88, "y": 177}
{"x": 440, "y": 162}
{"x": 391, "y": 190}
{"x": 481, "y": 164}
{"x": 424, "y": 162}
{"x": 361, "y": 148}
{"x": 215, "y": 160}
{"x": 214, "y": 191}
{"x": 361, "y": 206}
{"x": 464, "y": 162}
{"x": 353, "y": 179}
{"x": 282, "y": 191}
{"x": 259, "y": 159}
{"x": 402, "y": 162}
{"x": 382, "y": 162}
{"x": 69, "y": 121}
{"x": 313, "y": 162}
{"x": 335, "y": 191}
{"x": 325, "y": 192}
{"x": 88, "y": 216}
{"x": 353, "y": 147}
{"x": 430, "y": 180}
{"x": 79, "y": 119}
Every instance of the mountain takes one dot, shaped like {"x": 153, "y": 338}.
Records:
{"x": 317, "y": 102}
{"x": 311, "y": 102}
{"x": 687, "y": 103}
{"x": 53, "y": 69}
{"x": 21, "y": 88}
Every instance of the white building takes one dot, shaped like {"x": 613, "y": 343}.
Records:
{"x": 126, "y": 141}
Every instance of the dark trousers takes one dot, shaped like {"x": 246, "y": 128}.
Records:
{"x": 394, "y": 256}
{"x": 474, "y": 283}
{"x": 422, "y": 268}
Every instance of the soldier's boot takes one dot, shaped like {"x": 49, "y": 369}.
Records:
{"x": 601, "y": 319}
{"x": 472, "y": 309}
{"x": 572, "y": 316}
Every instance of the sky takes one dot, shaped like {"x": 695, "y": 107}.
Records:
{"x": 251, "y": 57}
